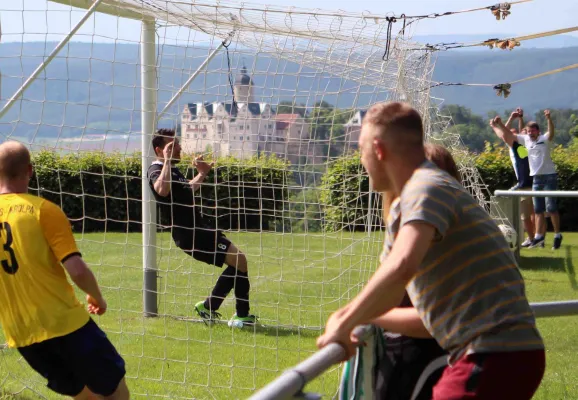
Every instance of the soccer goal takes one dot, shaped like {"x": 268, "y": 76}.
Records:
{"x": 276, "y": 97}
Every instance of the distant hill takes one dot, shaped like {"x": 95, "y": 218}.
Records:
{"x": 88, "y": 89}
{"x": 501, "y": 66}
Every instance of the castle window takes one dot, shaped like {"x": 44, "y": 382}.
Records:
{"x": 241, "y": 138}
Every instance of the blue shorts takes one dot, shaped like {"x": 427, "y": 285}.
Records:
{"x": 82, "y": 358}
{"x": 545, "y": 183}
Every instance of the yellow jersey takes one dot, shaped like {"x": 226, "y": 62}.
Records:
{"x": 38, "y": 302}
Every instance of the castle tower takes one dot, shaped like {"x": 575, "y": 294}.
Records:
{"x": 244, "y": 87}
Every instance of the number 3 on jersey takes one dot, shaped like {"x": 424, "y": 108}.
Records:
{"x": 9, "y": 266}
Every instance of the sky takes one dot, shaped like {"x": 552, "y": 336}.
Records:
{"x": 31, "y": 17}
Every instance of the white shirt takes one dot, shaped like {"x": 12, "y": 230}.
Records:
{"x": 539, "y": 156}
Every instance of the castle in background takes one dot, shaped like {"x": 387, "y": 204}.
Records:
{"x": 247, "y": 129}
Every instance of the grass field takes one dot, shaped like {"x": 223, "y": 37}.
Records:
{"x": 297, "y": 281}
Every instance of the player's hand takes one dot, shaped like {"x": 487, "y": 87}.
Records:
{"x": 202, "y": 166}
{"x": 495, "y": 121}
{"x": 168, "y": 150}
{"x": 547, "y": 114}
{"x": 95, "y": 306}
{"x": 515, "y": 115}
{"x": 520, "y": 112}
{"x": 335, "y": 332}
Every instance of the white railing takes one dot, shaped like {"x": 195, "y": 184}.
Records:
{"x": 291, "y": 383}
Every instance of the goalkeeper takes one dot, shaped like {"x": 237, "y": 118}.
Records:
{"x": 174, "y": 194}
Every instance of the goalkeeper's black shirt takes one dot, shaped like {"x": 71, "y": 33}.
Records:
{"x": 178, "y": 207}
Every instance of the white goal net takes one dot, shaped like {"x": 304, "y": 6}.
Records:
{"x": 276, "y": 97}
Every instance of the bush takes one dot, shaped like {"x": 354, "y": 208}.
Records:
{"x": 345, "y": 185}
{"x": 345, "y": 195}
{"x": 102, "y": 192}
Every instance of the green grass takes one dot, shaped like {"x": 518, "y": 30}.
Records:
{"x": 297, "y": 281}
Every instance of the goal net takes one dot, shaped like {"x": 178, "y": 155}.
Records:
{"x": 275, "y": 96}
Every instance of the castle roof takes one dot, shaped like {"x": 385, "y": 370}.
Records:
{"x": 243, "y": 78}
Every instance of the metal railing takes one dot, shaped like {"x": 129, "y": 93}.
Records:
{"x": 535, "y": 193}
{"x": 291, "y": 383}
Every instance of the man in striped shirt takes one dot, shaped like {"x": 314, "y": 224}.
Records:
{"x": 455, "y": 263}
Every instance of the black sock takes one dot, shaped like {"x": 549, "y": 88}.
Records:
{"x": 242, "y": 287}
{"x": 222, "y": 288}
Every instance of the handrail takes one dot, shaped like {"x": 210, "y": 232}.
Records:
{"x": 291, "y": 383}
{"x": 535, "y": 193}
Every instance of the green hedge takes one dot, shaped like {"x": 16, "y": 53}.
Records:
{"x": 345, "y": 186}
{"x": 99, "y": 191}
{"x": 345, "y": 195}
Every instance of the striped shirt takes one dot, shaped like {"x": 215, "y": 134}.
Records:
{"x": 468, "y": 290}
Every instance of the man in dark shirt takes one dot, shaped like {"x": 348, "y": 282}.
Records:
{"x": 174, "y": 194}
{"x": 519, "y": 158}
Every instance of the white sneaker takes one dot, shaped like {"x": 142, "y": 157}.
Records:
{"x": 527, "y": 242}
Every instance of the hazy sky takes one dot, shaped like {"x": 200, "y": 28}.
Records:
{"x": 532, "y": 17}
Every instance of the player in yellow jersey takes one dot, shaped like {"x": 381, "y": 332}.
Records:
{"x": 40, "y": 313}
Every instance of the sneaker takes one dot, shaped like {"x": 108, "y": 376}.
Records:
{"x": 537, "y": 243}
{"x": 205, "y": 313}
{"x": 239, "y": 322}
{"x": 557, "y": 242}
{"x": 526, "y": 242}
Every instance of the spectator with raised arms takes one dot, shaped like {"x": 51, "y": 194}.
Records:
{"x": 519, "y": 158}
{"x": 543, "y": 171}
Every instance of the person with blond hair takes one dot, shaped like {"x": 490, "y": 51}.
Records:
{"x": 40, "y": 314}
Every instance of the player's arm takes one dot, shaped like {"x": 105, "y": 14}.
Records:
{"x": 203, "y": 169}
{"x": 405, "y": 321}
{"x": 502, "y": 131}
{"x": 551, "y": 130}
{"x": 58, "y": 234}
{"x": 162, "y": 181}
{"x": 197, "y": 181}
{"x": 83, "y": 277}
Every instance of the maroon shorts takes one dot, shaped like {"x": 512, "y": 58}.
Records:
{"x": 493, "y": 376}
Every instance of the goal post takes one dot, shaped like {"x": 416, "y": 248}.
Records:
{"x": 149, "y": 88}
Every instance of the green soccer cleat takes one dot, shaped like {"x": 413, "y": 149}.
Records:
{"x": 239, "y": 322}
{"x": 206, "y": 314}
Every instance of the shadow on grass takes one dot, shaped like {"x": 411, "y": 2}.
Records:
{"x": 267, "y": 330}
{"x": 288, "y": 331}
{"x": 552, "y": 263}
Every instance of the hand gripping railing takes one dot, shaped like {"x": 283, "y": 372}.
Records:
{"x": 291, "y": 383}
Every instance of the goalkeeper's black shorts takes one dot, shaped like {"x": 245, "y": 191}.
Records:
{"x": 206, "y": 245}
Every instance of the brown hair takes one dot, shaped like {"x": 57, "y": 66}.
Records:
{"x": 441, "y": 157}
{"x": 533, "y": 124}
{"x": 161, "y": 136}
{"x": 397, "y": 119}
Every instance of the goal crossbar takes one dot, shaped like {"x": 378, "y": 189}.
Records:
{"x": 110, "y": 7}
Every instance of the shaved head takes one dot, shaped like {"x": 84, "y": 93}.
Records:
{"x": 14, "y": 161}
